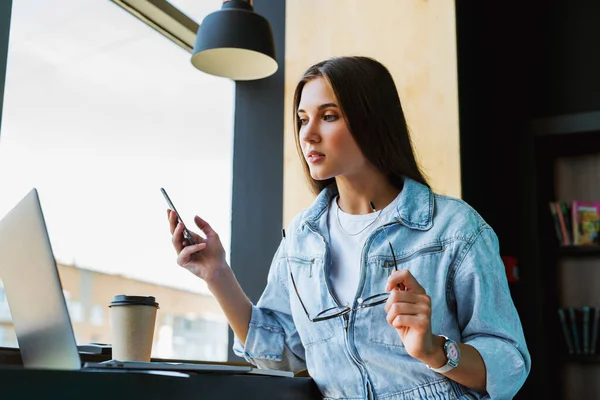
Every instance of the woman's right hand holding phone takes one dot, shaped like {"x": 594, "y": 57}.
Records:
{"x": 206, "y": 258}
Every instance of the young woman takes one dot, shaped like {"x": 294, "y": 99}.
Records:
{"x": 382, "y": 289}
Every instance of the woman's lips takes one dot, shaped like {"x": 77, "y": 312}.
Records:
{"x": 315, "y": 158}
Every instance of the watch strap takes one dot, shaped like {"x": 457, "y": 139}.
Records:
{"x": 448, "y": 367}
{"x": 451, "y": 364}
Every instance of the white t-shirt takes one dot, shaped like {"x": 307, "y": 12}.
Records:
{"x": 346, "y": 243}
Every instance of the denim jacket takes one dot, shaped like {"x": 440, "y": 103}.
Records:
{"x": 450, "y": 250}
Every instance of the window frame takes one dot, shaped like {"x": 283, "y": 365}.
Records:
{"x": 165, "y": 18}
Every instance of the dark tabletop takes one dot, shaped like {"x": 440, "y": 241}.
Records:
{"x": 21, "y": 383}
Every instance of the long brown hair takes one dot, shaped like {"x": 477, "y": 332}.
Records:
{"x": 371, "y": 107}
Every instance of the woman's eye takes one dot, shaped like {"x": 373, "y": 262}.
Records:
{"x": 303, "y": 121}
{"x": 330, "y": 118}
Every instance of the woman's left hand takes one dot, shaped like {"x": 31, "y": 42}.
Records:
{"x": 409, "y": 311}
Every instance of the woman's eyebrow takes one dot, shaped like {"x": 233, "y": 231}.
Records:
{"x": 322, "y": 106}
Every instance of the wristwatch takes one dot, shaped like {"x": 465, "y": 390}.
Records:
{"x": 452, "y": 354}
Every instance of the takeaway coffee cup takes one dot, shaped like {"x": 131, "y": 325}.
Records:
{"x": 132, "y": 320}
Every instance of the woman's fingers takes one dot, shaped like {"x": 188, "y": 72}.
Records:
{"x": 406, "y": 308}
{"x": 204, "y": 226}
{"x": 418, "y": 321}
{"x": 405, "y": 280}
{"x": 401, "y": 296}
{"x": 186, "y": 254}
{"x": 409, "y": 315}
{"x": 173, "y": 220}
{"x": 178, "y": 239}
{"x": 197, "y": 238}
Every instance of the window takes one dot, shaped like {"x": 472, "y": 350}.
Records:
{"x": 200, "y": 337}
{"x": 76, "y": 311}
{"x": 100, "y": 111}
{"x": 97, "y": 315}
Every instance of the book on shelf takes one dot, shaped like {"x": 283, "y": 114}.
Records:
{"x": 594, "y": 334}
{"x": 565, "y": 329}
{"x": 586, "y": 222}
{"x": 576, "y": 223}
{"x": 586, "y": 329}
{"x": 558, "y": 227}
{"x": 566, "y": 210}
{"x": 580, "y": 328}
{"x": 574, "y": 329}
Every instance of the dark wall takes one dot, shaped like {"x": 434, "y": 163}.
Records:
{"x": 495, "y": 53}
{"x": 571, "y": 64}
{"x": 5, "y": 12}
{"x": 493, "y": 70}
{"x": 517, "y": 62}
{"x": 494, "y": 78}
{"x": 257, "y": 202}
{"x": 514, "y": 63}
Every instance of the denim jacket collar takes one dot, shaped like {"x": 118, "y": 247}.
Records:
{"x": 415, "y": 207}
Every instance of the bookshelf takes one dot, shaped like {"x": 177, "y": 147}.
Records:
{"x": 566, "y": 158}
{"x": 594, "y": 359}
{"x": 578, "y": 251}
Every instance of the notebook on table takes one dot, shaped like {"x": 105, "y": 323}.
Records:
{"x": 38, "y": 308}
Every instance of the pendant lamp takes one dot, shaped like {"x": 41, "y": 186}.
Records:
{"x": 236, "y": 43}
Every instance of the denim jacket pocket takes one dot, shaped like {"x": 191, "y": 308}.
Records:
{"x": 310, "y": 296}
{"x": 383, "y": 333}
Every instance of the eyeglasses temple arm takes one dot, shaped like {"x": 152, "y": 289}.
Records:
{"x": 388, "y": 240}
{"x": 292, "y": 276}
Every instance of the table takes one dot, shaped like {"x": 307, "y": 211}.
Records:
{"x": 18, "y": 383}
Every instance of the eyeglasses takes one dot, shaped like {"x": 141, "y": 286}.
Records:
{"x": 338, "y": 311}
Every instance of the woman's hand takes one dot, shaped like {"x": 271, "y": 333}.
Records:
{"x": 204, "y": 259}
{"x": 409, "y": 311}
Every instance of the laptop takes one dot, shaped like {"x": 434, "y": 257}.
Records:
{"x": 38, "y": 308}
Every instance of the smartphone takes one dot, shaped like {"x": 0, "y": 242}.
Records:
{"x": 186, "y": 233}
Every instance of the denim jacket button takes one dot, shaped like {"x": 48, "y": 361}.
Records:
{"x": 360, "y": 300}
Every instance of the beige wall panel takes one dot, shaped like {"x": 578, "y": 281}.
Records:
{"x": 416, "y": 40}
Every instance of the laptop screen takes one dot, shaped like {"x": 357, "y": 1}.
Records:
{"x": 33, "y": 289}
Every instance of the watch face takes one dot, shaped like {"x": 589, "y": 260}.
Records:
{"x": 452, "y": 351}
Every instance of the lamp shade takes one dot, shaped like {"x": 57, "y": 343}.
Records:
{"x": 235, "y": 43}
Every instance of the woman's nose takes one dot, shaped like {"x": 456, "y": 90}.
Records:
{"x": 310, "y": 132}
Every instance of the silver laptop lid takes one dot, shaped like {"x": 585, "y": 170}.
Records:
{"x": 33, "y": 289}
